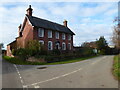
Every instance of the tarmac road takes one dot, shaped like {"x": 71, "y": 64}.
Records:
{"x": 91, "y": 73}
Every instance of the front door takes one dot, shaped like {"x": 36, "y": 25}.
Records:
{"x": 57, "y": 46}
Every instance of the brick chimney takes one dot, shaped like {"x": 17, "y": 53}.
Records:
{"x": 29, "y": 11}
{"x": 65, "y": 23}
{"x": 19, "y": 32}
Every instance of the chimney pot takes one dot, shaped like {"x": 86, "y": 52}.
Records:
{"x": 65, "y": 23}
{"x": 29, "y": 11}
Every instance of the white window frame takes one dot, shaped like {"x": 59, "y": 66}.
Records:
{"x": 40, "y": 32}
{"x": 41, "y": 41}
{"x": 63, "y": 36}
{"x": 57, "y": 35}
{"x": 63, "y": 48}
{"x": 51, "y": 48}
{"x": 69, "y": 37}
{"x": 69, "y": 44}
{"x": 49, "y": 34}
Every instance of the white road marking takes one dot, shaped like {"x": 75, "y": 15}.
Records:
{"x": 24, "y": 86}
{"x": 21, "y": 81}
{"x": 19, "y": 76}
{"x": 55, "y": 77}
{"x": 37, "y": 86}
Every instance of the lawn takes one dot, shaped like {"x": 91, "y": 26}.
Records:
{"x": 116, "y": 67}
{"x": 21, "y": 62}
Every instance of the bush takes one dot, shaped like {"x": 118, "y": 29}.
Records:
{"x": 88, "y": 51}
{"x": 84, "y": 52}
{"x": 56, "y": 52}
{"x": 20, "y": 62}
{"x": 64, "y": 57}
{"x": 22, "y": 53}
{"x": 33, "y": 47}
{"x": 50, "y": 59}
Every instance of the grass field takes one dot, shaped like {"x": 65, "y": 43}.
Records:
{"x": 116, "y": 67}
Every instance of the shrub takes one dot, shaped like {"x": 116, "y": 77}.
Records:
{"x": 33, "y": 47}
{"x": 63, "y": 57}
{"x": 22, "y": 53}
{"x": 84, "y": 51}
{"x": 56, "y": 52}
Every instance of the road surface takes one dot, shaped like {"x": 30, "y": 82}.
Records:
{"x": 91, "y": 73}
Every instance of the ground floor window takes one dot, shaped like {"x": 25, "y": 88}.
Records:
{"x": 69, "y": 46}
{"x": 50, "y": 46}
{"x": 63, "y": 46}
{"x": 41, "y": 42}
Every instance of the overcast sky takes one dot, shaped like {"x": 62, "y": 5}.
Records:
{"x": 88, "y": 20}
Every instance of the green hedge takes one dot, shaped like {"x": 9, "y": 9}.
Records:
{"x": 58, "y": 58}
{"x": 18, "y": 61}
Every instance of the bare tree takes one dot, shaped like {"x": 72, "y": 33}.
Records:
{"x": 116, "y": 34}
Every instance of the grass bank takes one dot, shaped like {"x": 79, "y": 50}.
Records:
{"x": 21, "y": 62}
{"x": 116, "y": 67}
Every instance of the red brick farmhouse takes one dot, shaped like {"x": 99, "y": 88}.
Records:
{"x": 50, "y": 34}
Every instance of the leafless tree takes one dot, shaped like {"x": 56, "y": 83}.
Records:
{"x": 116, "y": 34}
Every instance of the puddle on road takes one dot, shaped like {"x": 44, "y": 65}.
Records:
{"x": 41, "y": 67}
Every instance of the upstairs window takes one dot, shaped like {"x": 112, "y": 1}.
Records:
{"x": 49, "y": 34}
{"x": 69, "y": 37}
{"x": 57, "y": 35}
{"x": 63, "y": 46}
{"x": 50, "y": 47}
{"x": 63, "y": 36}
{"x": 41, "y": 32}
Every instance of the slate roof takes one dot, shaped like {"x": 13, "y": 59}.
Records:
{"x": 38, "y": 22}
{"x": 12, "y": 42}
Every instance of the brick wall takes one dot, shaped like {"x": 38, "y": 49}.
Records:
{"x": 53, "y": 39}
{"x": 10, "y": 47}
{"x": 27, "y": 35}
{"x": 9, "y": 53}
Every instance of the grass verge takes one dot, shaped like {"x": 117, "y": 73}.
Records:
{"x": 21, "y": 62}
{"x": 116, "y": 67}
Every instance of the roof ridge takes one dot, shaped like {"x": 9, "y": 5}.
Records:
{"x": 48, "y": 21}
{"x": 36, "y": 21}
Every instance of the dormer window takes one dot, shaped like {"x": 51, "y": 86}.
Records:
{"x": 63, "y": 36}
{"x": 49, "y": 34}
{"x": 41, "y": 32}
